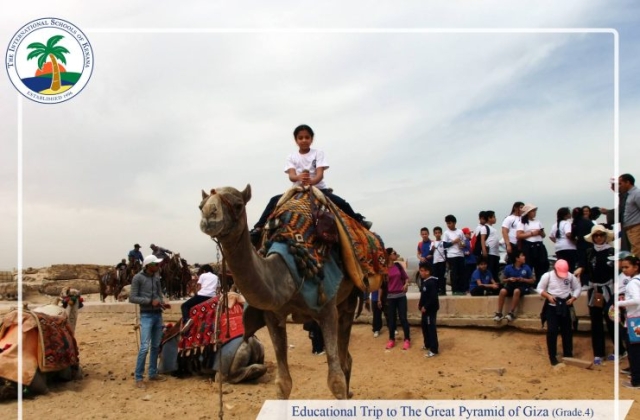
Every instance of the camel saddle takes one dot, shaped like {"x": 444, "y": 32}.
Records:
{"x": 290, "y": 232}
{"x": 48, "y": 344}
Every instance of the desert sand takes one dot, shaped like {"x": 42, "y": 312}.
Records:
{"x": 108, "y": 350}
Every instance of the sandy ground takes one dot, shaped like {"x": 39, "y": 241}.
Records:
{"x": 108, "y": 351}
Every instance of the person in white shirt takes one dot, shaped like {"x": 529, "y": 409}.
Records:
{"x": 560, "y": 288}
{"x": 439, "y": 260}
{"x": 530, "y": 233}
{"x": 562, "y": 237}
{"x": 306, "y": 167}
{"x": 207, "y": 288}
{"x": 509, "y": 230}
{"x": 454, "y": 243}
{"x": 492, "y": 243}
{"x": 630, "y": 266}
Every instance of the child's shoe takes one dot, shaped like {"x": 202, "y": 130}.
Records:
{"x": 390, "y": 344}
{"x": 597, "y": 361}
{"x": 406, "y": 345}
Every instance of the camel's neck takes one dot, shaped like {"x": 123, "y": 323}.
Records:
{"x": 72, "y": 315}
{"x": 266, "y": 283}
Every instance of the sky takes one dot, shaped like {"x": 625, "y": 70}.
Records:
{"x": 415, "y": 125}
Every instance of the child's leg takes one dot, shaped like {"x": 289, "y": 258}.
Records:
{"x": 402, "y": 314}
{"x": 634, "y": 363}
{"x": 267, "y": 211}
{"x": 377, "y": 316}
{"x": 343, "y": 205}
{"x": 392, "y": 307}
{"x": 552, "y": 332}
{"x": 566, "y": 330}
{"x": 424, "y": 324}
{"x": 433, "y": 333}
{"x": 597, "y": 330}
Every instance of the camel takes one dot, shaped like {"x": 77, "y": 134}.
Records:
{"x": 48, "y": 352}
{"x": 235, "y": 360}
{"x": 272, "y": 293}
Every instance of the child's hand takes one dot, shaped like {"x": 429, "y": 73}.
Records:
{"x": 305, "y": 177}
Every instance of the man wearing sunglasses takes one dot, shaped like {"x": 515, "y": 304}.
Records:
{"x": 146, "y": 291}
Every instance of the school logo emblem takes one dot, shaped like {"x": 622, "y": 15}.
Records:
{"x": 49, "y": 60}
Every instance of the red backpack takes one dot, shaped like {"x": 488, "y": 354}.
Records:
{"x": 476, "y": 243}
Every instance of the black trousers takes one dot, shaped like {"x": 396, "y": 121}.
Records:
{"x": 440, "y": 270}
{"x": 338, "y": 201}
{"x": 377, "y": 316}
{"x": 429, "y": 331}
{"x": 559, "y": 323}
{"x": 315, "y": 335}
{"x": 398, "y": 306}
{"x": 570, "y": 256}
{"x": 537, "y": 258}
{"x": 456, "y": 265}
{"x": 634, "y": 363}
{"x": 599, "y": 317}
{"x": 190, "y": 303}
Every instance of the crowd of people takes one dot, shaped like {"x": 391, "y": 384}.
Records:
{"x": 585, "y": 261}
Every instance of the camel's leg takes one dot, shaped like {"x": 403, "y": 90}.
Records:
{"x": 242, "y": 368}
{"x": 278, "y": 334}
{"x": 328, "y": 321}
{"x": 346, "y": 311}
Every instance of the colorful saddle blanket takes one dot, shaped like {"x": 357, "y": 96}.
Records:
{"x": 360, "y": 251}
{"x": 204, "y": 315}
{"x": 56, "y": 347}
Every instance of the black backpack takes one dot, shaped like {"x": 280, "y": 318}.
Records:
{"x": 476, "y": 248}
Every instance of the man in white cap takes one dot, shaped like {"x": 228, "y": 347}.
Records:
{"x": 146, "y": 291}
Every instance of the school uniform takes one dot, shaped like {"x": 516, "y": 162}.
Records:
{"x": 534, "y": 250}
{"x": 558, "y": 315}
{"x": 632, "y": 303}
{"x": 439, "y": 265}
{"x": 429, "y": 301}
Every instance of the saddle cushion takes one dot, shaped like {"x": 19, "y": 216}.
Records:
{"x": 361, "y": 251}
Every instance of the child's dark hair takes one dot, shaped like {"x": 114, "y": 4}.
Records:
{"x": 424, "y": 229}
{"x": 425, "y": 266}
{"x": 302, "y": 127}
{"x": 482, "y": 215}
{"x": 489, "y": 214}
{"x": 516, "y": 206}
{"x": 482, "y": 260}
{"x": 562, "y": 214}
{"x": 632, "y": 259}
{"x": 450, "y": 218}
{"x": 437, "y": 228}
{"x": 516, "y": 254}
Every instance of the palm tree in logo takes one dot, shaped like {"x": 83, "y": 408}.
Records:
{"x": 52, "y": 52}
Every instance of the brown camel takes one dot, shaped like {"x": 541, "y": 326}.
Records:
{"x": 271, "y": 291}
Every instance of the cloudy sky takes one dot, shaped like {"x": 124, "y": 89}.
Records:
{"x": 416, "y": 124}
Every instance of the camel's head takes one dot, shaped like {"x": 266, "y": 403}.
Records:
{"x": 223, "y": 211}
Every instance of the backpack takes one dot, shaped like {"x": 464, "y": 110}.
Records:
{"x": 476, "y": 243}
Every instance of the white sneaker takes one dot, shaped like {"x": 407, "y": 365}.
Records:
{"x": 376, "y": 334}
{"x": 430, "y": 354}
{"x": 499, "y": 317}
{"x": 510, "y": 317}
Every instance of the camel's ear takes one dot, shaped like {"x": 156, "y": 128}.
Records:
{"x": 204, "y": 195}
{"x": 246, "y": 194}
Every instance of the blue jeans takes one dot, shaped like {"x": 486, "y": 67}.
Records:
{"x": 150, "y": 333}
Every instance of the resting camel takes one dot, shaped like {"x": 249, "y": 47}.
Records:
{"x": 49, "y": 348}
{"x": 272, "y": 294}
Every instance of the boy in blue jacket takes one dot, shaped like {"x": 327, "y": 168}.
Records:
{"x": 428, "y": 305}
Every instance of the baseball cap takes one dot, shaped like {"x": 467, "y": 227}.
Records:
{"x": 150, "y": 259}
{"x": 562, "y": 268}
{"x": 466, "y": 230}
